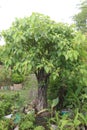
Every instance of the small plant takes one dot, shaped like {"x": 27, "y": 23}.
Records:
{"x": 75, "y": 121}
{"x": 17, "y": 78}
{"x": 83, "y": 119}
{"x": 55, "y": 102}
{"x": 26, "y": 125}
{"x": 39, "y": 128}
{"x": 6, "y": 124}
{"x": 3, "y": 125}
{"x": 27, "y": 122}
{"x": 66, "y": 121}
{"x": 7, "y": 103}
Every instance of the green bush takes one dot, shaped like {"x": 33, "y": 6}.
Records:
{"x": 6, "y": 124}
{"x": 26, "y": 125}
{"x": 73, "y": 90}
{"x": 5, "y": 107}
{"x": 73, "y": 120}
{"x": 17, "y": 78}
{"x": 7, "y": 102}
{"x": 27, "y": 122}
{"x": 39, "y": 128}
{"x": 3, "y": 125}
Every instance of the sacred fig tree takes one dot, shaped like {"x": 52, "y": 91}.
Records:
{"x": 42, "y": 46}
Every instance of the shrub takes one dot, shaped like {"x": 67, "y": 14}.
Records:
{"x": 73, "y": 92}
{"x": 39, "y": 128}
{"x": 27, "y": 122}
{"x": 7, "y": 102}
{"x": 17, "y": 78}
{"x": 68, "y": 121}
{"x": 26, "y": 125}
{"x": 6, "y": 124}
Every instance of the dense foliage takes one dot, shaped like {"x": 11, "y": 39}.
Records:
{"x": 42, "y": 46}
{"x": 81, "y": 17}
{"x": 8, "y": 103}
{"x": 5, "y": 76}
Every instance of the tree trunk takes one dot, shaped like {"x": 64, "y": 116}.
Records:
{"x": 42, "y": 78}
{"x": 42, "y": 97}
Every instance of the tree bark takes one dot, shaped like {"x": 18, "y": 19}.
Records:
{"x": 42, "y": 78}
{"x": 42, "y": 97}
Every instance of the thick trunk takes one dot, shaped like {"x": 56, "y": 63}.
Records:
{"x": 42, "y": 89}
{"x": 42, "y": 97}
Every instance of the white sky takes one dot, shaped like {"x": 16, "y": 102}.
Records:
{"x": 59, "y": 10}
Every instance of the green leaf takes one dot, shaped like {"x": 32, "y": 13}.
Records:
{"x": 29, "y": 67}
{"x": 47, "y": 69}
{"x": 55, "y": 102}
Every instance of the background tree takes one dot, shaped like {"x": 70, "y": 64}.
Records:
{"x": 39, "y": 45}
{"x": 1, "y": 49}
{"x": 81, "y": 17}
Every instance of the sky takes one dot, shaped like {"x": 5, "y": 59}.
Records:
{"x": 58, "y": 10}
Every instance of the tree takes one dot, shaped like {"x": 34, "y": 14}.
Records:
{"x": 81, "y": 18}
{"x": 1, "y": 49}
{"x": 44, "y": 47}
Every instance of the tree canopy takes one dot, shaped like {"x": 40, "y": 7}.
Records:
{"x": 81, "y": 17}
{"x": 38, "y": 42}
